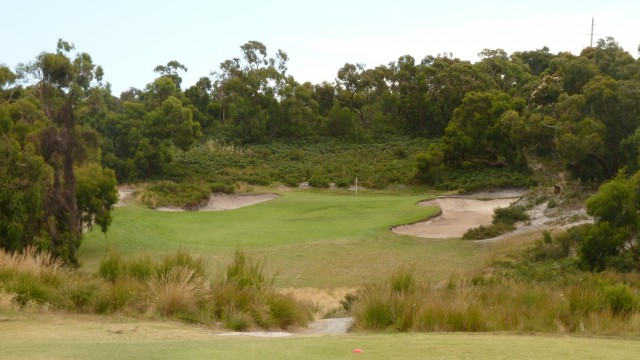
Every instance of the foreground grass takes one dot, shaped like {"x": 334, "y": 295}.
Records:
{"x": 50, "y": 336}
{"x": 319, "y": 239}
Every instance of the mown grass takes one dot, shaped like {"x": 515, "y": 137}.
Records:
{"x": 37, "y": 336}
{"x": 319, "y": 239}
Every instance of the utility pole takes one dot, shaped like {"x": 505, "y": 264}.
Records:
{"x": 592, "y": 25}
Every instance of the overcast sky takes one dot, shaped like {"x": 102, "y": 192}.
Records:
{"x": 129, "y": 38}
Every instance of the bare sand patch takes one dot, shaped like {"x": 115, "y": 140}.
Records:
{"x": 221, "y": 201}
{"x": 458, "y": 215}
{"x": 125, "y": 195}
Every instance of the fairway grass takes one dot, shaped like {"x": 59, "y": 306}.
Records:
{"x": 50, "y": 336}
{"x": 317, "y": 239}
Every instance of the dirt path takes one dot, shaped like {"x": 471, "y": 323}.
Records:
{"x": 330, "y": 326}
{"x": 458, "y": 215}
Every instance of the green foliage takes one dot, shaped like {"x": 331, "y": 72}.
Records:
{"x": 473, "y": 178}
{"x": 319, "y": 181}
{"x": 168, "y": 193}
{"x": 222, "y": 188}
{"x": 503, "y": 222}
{"x": 403, "y": 281}
{"x": 96, "y": 194}
{"x": 111, "y": 268}
{"x": 621, "y": 299}
{"x": 24, "y": 179}
{"x": 510, "y": 215}
{"x": 236, "y": 320}
{"x": 614, "y": 236}
{"x": 487, "y": 231}
{"x": 375, "y": 165}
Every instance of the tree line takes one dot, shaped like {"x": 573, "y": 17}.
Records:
{"x": 65, "y": 138}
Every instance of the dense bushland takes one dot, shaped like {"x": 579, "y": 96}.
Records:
{"x": 376, "y": 165}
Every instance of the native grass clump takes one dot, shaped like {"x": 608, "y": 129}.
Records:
{"x": 177, "y": 286}
{"x": 585, "y": 303}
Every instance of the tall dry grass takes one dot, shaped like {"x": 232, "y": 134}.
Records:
{"x": 179, "y": 290}
{"x": 31, "y": 261}
{"x": 495, "y": 303}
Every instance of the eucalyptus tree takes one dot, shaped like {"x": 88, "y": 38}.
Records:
{"x": 248, "y": 91}
{"x": 61, "y": 83}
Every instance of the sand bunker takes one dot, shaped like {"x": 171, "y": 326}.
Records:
{"x": 458, "y": 215}
{"x": 220, "y": 201}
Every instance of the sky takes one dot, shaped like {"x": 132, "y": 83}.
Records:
{"x": 130, "y": 38}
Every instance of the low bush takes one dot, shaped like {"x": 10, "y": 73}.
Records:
{"x": 168, "y": 193}
{"x": 319, "y": 181}
{"x": 487, "y": 231}
{"x": 222, "y": 188}
{"x": 510, "y": 215}
{"x": 235, "y": 320}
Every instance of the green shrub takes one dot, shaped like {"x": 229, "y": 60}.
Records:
{"x": 169, "y": 193}
{"x": 83, "y": 295}
{"x": 487, "y": 231}
{"x": 620, "y": 299}
{"x": 245, "y": 272}
{"x": 181, "y": 259}
{"x": 122, "y": 294}
{"x": 319, "y": 181}
{"x": 343, "y": 183}
{"x": 285, "y": 312}
{"x": 141, "y": 268}
{"x": 510, "y": 215}
{"x": 112, "y": 267}
{"x": 236, "y": 320}
{"x": 375, "y": 312}
{"x": 348, "y": 301}
{"x": 30, "y": 288}
{"x": 222, "y": 188}
{"x": 403, "y": 282}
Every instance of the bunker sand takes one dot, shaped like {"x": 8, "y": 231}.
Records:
{"x": 458, "y": 215}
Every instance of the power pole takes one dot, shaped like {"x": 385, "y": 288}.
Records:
{"x": 592, "y": 25}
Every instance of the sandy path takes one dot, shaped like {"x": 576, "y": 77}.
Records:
{"x": 458, "y": 215}
{"x": 124, "y": 195}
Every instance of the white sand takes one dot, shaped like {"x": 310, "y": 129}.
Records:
{"x": 221, "y": 201}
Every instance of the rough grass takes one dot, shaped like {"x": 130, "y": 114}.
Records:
{"x": 310, "y": 239}
{"x": 584, "y": 303}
